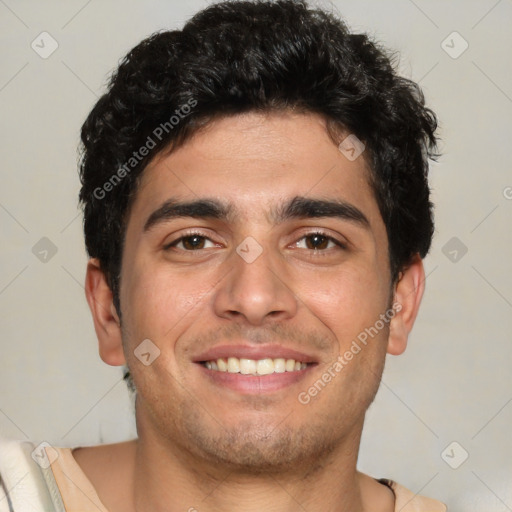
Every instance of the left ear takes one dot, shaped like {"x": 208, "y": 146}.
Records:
{"x": 407, "y": 299}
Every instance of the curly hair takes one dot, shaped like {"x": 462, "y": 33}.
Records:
{"x": 239, "y": 56}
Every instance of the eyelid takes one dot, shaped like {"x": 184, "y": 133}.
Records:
{"x": 343, "y": 244}
{"x": 312, "y": 231}
{"x": 189, "y": 233}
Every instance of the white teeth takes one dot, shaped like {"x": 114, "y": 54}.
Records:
{"x": 255, "y": 367}
{"x": 279, "y": 365}
{"x": 247, "y": 366}
{"x": 233, "y": 365}
{"x": 265, "y": 367}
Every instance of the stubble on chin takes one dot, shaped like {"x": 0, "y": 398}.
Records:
{"x": 255, "y": 448}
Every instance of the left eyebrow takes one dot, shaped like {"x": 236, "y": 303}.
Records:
{"x": 300, "y": 207}
{"x": 303, "y": 207}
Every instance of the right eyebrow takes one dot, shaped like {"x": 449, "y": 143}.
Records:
{"x": 202, "y": 208}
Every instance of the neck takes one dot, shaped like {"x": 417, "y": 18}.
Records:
{"x": 168, "y": 478}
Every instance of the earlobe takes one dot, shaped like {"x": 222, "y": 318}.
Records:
{"x": 106, "y": 321}
{"x": 407, "y": 299}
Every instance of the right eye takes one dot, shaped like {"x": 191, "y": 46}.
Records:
{"x": 192, "y": 241}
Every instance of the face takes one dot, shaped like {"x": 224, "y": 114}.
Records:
{"x": 257, "y": 246}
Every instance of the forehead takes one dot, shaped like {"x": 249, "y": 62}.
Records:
{"x": 253, "y": 163}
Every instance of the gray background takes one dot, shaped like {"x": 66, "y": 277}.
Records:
{"x": 453, "y": 384}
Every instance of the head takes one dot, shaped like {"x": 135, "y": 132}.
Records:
{"x": 242, "y": 132}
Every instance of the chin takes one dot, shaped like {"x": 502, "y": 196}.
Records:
{"x": 256, "y": 448}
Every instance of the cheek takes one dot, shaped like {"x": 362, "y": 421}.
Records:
{"x": 162, "y": 305}
{"x": 158, "y": 306}
{"x": 346, "y": 301}
{"x": 158, "y": 300}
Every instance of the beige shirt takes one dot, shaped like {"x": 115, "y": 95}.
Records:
{"x": 79, "y": 495}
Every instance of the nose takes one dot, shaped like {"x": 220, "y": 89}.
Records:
{"x": 256, "y": 291}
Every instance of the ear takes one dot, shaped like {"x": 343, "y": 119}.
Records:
{"x": 407, "y": 298}
{"x": 106, "y": 321}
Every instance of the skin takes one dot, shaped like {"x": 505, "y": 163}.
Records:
{"x": 201, "y": 444}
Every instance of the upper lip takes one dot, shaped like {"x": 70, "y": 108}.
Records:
{"x": 253, "y": 352}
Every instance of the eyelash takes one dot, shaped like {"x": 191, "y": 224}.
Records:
{"x": 191, "y": 234}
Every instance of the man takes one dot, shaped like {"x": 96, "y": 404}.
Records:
{"x": 256, "y": 211}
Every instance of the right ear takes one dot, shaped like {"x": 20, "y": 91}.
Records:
{"x": 104, "y": 314}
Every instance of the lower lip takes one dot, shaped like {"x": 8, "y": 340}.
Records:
{"x": 252, "y": 384}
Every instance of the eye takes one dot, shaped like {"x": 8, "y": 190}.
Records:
{"x": 318, "y": 241}
{"x": 191, "y": 242}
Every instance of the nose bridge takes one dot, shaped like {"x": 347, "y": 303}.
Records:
{"x": 256, "y": 287}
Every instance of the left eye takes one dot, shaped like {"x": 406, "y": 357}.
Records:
{"x": 317, "y": 241}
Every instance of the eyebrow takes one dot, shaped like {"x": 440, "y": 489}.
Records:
{"x": 299, "y": 207}
{"x": 199, "y": 209}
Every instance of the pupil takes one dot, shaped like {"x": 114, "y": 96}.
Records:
{"x": 196, "y": 241}
{"x": 317, "y": 240}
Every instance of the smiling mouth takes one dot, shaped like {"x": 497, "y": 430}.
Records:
{"x": 256, "y": 367}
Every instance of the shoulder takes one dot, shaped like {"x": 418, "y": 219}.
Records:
{"x": 108, "y": 470}
{"x": 24, "y": 479}
{"x": 407, "y": 501}
{"x": 101, "y": 460}
{"x": 41, "y": 477}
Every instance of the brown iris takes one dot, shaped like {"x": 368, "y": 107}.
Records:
{"x": 319, "y": 241}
